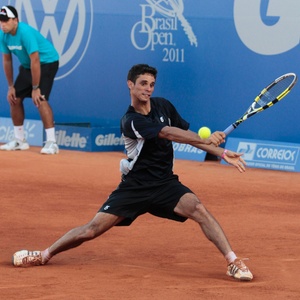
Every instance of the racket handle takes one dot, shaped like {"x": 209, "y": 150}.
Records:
{"x": 229, "y": 129}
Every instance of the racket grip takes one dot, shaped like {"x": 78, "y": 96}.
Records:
{"x": 229, "y": 129}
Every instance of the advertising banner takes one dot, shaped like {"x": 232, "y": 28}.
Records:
{"x": 92, "y": 139}
{"x": 212, "y": 57}
{"x": 267, "y": 154}
{"x": 184, "y": 151}
{"x": 33, "y": 131}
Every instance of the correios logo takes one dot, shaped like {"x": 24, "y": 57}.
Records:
{"x": 268, "y": 152}
{"x": 68, "y": 24}
{"x": 248, "y": 149}
{"x": 159, "y": 20}
{"x": 268, "y": 27}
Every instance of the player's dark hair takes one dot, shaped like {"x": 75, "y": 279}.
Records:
{"x": 140, "y": 69}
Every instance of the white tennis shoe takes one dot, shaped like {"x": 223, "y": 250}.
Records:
{"x": 15, "y": 144}
{"x": 50, "y": 148}
{"x": 25, "y": 258}
{"x": 238, "y": 270}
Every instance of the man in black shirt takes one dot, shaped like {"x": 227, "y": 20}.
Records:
{"x": 148, "y": 183}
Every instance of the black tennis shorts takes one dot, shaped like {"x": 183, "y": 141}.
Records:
{"x": 23, "y": 83}
{"x": 132, "y": 199}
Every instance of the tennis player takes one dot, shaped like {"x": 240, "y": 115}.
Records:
{"x": 148, "y": 183}
{"x": 39, "y": 64}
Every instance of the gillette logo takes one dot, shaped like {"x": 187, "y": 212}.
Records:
{"x": 108, "y": 140}
{"x": 74, "y": 140}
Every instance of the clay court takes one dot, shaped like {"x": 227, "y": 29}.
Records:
{"x": 42, "y": 197}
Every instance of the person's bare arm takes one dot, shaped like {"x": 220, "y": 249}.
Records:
{"x": 210, "y": 145}
{"x": 35, "y": 67}
{"x": 9, "y": 74}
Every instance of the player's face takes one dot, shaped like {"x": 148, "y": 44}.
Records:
{"x": 9, "y": 26}
{"x": 143, "y": 87}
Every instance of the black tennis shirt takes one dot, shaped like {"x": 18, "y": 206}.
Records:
{"x": 151, "y": 158}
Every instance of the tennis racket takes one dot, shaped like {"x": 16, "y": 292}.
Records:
{"x": 269, "y": 96}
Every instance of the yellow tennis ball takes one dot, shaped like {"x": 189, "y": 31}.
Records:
{"x": 204, "y": 132}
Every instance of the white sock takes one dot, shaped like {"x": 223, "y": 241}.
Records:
{"x": 19, "y": 132}
{"x": 230, "y": 257}
{"x": 50, "y": 134}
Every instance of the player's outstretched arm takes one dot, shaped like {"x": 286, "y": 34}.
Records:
{"x": 210, "y": 145}
{"x": 192, "y": 138}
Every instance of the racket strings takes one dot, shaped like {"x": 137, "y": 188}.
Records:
{"x": 276, "y": 91}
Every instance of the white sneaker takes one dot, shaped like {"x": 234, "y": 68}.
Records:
{"x": 238, "y": 270}
{"x": 15, "y": 144}
{"x": 50, "y": 148}
{"x": 25, "y": 258}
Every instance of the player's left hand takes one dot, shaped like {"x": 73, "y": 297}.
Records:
{"x": 37, "y": 97}
{"x": 236, "y": 160}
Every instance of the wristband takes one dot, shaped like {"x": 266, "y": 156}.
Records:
{"x": 223, "y": 154}
{"x": 35, "y": 87}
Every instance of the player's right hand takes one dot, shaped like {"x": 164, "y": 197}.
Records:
{"x": 11, "y": 96}
{"x": 217, "y": 138}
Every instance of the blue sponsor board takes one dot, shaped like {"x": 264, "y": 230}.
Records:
{"x": 73, "y": 137}
{"x": 197, "y": 47}
{"x": 33, "y": 131}
{"x": 107, "y": 139}
{"x": 267, "y": 154}
{"x": 185, "y": 151}
{"x": 92, "y": 139}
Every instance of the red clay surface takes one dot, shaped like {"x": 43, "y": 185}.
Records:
{"x": 42, "y": 197}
